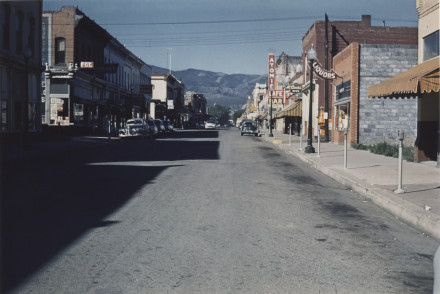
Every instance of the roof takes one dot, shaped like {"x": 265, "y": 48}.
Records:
{"x": 423, "y": 78}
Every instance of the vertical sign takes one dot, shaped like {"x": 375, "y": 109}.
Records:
{"x": 271, "y": 75}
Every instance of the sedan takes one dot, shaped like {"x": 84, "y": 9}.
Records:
{"x": 136, "y": 127}
{"x": 249, "y": 129}
{"x": 210, "y": 125}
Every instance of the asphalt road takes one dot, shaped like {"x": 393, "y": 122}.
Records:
{"x": 201, "y": 212}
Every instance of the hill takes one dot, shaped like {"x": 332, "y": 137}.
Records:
{"x": 228, "y": 90}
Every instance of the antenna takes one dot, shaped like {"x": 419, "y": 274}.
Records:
{"x": 169, "y": 58}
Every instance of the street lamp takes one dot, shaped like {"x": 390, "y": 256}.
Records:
{"x": 311, "y": 55}
{"x": 270, "y": 112}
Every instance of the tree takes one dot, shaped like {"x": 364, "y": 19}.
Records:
{"x": 237, "y": 114}
{"x": 219, "y": 114}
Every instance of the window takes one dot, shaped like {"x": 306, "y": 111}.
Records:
{"x": 60, "y": 51}
{"x": 342, "y": 116}
{"x": 431, "y": 46}
{"x": 19, "y": 32}
{"x": 31, "y": 37}
{"x": 5, "y": 26}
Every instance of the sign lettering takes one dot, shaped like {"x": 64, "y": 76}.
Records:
{"x": 322, "y": 73}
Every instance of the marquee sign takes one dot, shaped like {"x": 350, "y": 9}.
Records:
{"x": 323, "y": 73}
{"x": 271, "y": 75}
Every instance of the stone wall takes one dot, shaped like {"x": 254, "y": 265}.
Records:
{"x": 380, "y": 118}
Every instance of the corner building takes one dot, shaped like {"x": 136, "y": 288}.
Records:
{"x": 340, "y": 35}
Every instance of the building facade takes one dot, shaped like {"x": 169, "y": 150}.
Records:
{"x": 20, "y": 69}
{"x": 92, "y": 82}
{"x": 168, "y": 98}
{"x": 329, "y": 38}
{"x": 422, "y": 81}
{"x": 371, "y": 121}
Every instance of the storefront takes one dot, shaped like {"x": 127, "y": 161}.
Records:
{"x": 422, "y": 80}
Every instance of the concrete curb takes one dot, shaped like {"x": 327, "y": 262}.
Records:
{"x": 401, "y": 209}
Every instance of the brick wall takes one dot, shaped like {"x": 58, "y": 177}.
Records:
{"x": 380, "y": 118}
{"x": 63, "y": 26}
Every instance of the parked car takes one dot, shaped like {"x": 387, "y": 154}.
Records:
{"x": 200, "y": 125}
{"x": 136, "y": 127}
{"x": 249, "y": 129}
{"x": 210, "y": 125}
{"x": 160, "y": 126}
{"x": 154, "y": 131}
{"x": 168, "y": 126}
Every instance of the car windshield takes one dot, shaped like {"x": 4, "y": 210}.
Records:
{"x": 134, "y": 122}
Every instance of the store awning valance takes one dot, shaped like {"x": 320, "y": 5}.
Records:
{"x": 294, "y": 109}
{"x": 423, "y": 78}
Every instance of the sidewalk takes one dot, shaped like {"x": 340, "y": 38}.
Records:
{"x": 376, "y": 177}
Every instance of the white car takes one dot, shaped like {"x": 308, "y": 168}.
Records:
{"x": 210, "y": 125}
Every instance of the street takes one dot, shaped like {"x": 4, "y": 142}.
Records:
{"x": 204, "y": 211}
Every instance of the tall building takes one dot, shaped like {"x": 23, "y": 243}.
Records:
{"x": 92, "y": 82}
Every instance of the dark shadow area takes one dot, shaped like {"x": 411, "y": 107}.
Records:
{"x": 197, "y": 134}
{"x": 51, "y": 201}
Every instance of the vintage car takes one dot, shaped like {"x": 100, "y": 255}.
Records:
{"x": 249, "y": 129}
{"x": 168, "y": 126}
{"x": 136, "y": 127}
{"x": 210, "y": 125}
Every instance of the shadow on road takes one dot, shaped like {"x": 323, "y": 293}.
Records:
{"x": 50, "y": 202}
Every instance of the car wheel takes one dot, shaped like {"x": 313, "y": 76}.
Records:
{"x": 256, "y": 135}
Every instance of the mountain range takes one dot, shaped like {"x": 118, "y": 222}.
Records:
{"x": 225, "y": 89}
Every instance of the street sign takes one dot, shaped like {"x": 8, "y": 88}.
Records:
{"x": 87, "y": 64}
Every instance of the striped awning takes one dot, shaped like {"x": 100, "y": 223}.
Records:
{"x": 294, "y": 109}
{"x": 423, "y": 78}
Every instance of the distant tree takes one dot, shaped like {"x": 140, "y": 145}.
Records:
{"x": 237, "y": 114}
{"x": 219, "y": 114}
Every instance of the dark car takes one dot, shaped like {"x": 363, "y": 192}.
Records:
{"x": 249, "y": 129}
{"x": 168, "y": 126}
{"x": 160, "y": 126}
{"x": 154, "y": 131}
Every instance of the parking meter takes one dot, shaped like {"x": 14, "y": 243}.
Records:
{"x": 400, "y": 135}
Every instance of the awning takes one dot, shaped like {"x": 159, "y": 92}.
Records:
{"x": 294, "y": 109}
{"x": 419, "y": 79}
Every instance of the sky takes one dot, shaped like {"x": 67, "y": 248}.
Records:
{"x": 228, "y": 36}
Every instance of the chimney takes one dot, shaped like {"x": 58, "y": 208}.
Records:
{"x": 366, "y": 21}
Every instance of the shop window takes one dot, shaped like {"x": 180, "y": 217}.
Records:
{"x": 343, "y": 90}
{"x": 4, "y": 97}
{"x": 78, "y": 112}
{"x": 342, "y": 116}
{"x": 431, "y": 46}
{"x": 60, "y": 51}
{"x": 59, "y": 111}
{"x": 4, "y": 115}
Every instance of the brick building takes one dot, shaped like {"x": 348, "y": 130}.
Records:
{"x": 371, "y": 121}
{"x": 340, "y": 35}
{"x": 92, "y": 82}
{"x": 422, "y": 81}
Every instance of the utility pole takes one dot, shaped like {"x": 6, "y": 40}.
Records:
{"x": 326, "y": 98}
